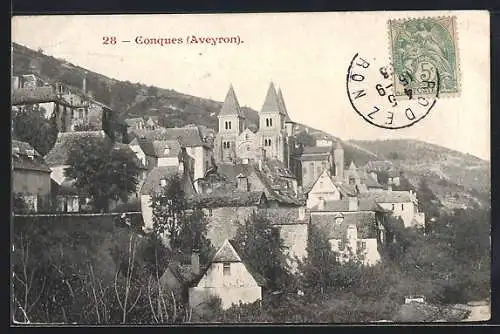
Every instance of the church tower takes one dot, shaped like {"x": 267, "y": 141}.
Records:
{"x": 338, "y": 159}
{"x": 289, "y": 148}
{"x": 231, "y": 124}
{"x": 272, "y": 126}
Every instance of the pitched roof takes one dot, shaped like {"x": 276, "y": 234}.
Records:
{"x": 343, "y": 206}
{"x": 229, "y": 252}
{"x": 308, "y": 150}
{"x": 152, "y": 183}
{"x": 363, "y": 220}
{"x": 35, "y": 95}
{"x": 284, "y": 216}
{"x": 271, "y": 103}
{"x": 65, "y": 141}
{"x": 284, "y": 111}
{"x": 187, "y": 136}
{"x": 146, "y": 146}
{"x": 21, "y": 160}
{"x": 230, "y": 199}
{"x": 231, "y": 105}
{"x": 226, "y": 253}
{"x": 160, "y": 146}
{"x": 346, "y": 189}
{"x": 388, "y": 196}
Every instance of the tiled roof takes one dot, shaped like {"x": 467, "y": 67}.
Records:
{"x": 284, "y": 216}
{"x": 187, "y": 136}
{"x": 21, "y": 160}
{"x": 343, "y": 205}
{"x": 231, "y": 199}
{"x": 146, "y": 146}
{"x": 388, "y": 196}
{"x": 347, "y": 189}
{"x": 278, "y": 168}
{"x": 160, "y": 146}
{"x": 368, "y": 180}
{"x": 284, "y": 111}
{"x": 231, "y": 105}
{"x": 271, "y": 103}
{"x": 228, "y": 252}
{"x": 59, "y": 154}
{"x": 307, "y": 150}
{"x": 364, "y": 221}
{"x": 231, "y": 170}
{"x": 152, "y": 184}
{"x": 35, "y": 95}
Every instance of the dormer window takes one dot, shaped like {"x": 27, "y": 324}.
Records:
{"x": 339, "y": 220}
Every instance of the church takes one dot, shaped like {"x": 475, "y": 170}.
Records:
{"x": 237, "y": 143}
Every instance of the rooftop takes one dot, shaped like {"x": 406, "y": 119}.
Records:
{"x": 231, "y": 199}
{"x": 35, "y": 95}
{"x": 343, "y": 206}
{"x": 388, "y": 196}
{"x": 21, "y": 159}
{"x": 65, "y": 141}
{"x": 152, "y": 183}
{"x": 187, "y": 136}
{"x": 337, "y": 229}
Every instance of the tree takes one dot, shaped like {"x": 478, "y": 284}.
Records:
{"x": 169, "y": 206}
{"x": 427, "y": 200}
{"x": 102, "y": 171}
{"x": 261, "y": 245}
{"x": 305, "y": 139}
{"x": 193, "y": 235}
{"x": 31, "y": 126}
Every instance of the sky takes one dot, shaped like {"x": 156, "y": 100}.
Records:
{"x": 305, "y": 54}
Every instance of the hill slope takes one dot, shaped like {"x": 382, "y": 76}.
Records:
{"x": 449, "y": 172}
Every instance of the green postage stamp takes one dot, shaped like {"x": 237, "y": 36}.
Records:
{"x": 425, "y": 56}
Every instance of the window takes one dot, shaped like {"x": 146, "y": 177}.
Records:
{"x": 393, "y": 207}
{"x": 80, "y": 112}
{"x": 226, "y": 144}
{"x": 226, "y": 269}
{"x": 248, "y": 148}
{"x": 402, "y": 207}
{"x": 339, "y": 220}
{"x": 269, "y": 122}
{"x": 229, "y": 123}
{"x": 246, "y": 136}
{"x": 210, "y": 212}
{"x": 352, "y": 180}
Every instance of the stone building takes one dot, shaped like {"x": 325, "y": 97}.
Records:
{"x": 236, "y": 142}
{"x": 30, "y": 177}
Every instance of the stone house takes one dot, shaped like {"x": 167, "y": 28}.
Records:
{"x": 30, "y": 176}
{"x": 352, "y": 226}
{"x": 198, "y": 148}
{"x": 402, "y": 204}
{"x": 155, "y": 181}
{"x": 224, "y": 210}
{"x": 228, "y": 277}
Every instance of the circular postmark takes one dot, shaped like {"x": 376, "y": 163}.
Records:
{"x": 370, "y": 88}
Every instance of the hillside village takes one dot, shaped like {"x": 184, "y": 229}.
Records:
{"x": 229, "y": 174}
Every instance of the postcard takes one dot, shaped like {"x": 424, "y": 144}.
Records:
{"x": 251, "y": 168}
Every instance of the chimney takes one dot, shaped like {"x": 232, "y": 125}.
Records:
{"x": 353, "y": 203}
{"x": 195, "y": 261}
{"x": 302, "y": 213}
{"x": 30, "y": 153}
{"x": 242, "y": 183}
{"x": 84, "y": 83}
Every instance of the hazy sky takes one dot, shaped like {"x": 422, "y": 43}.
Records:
{"x": 305, "y": 54}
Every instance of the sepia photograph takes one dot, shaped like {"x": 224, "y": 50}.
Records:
{"x": 257, "y": 168}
